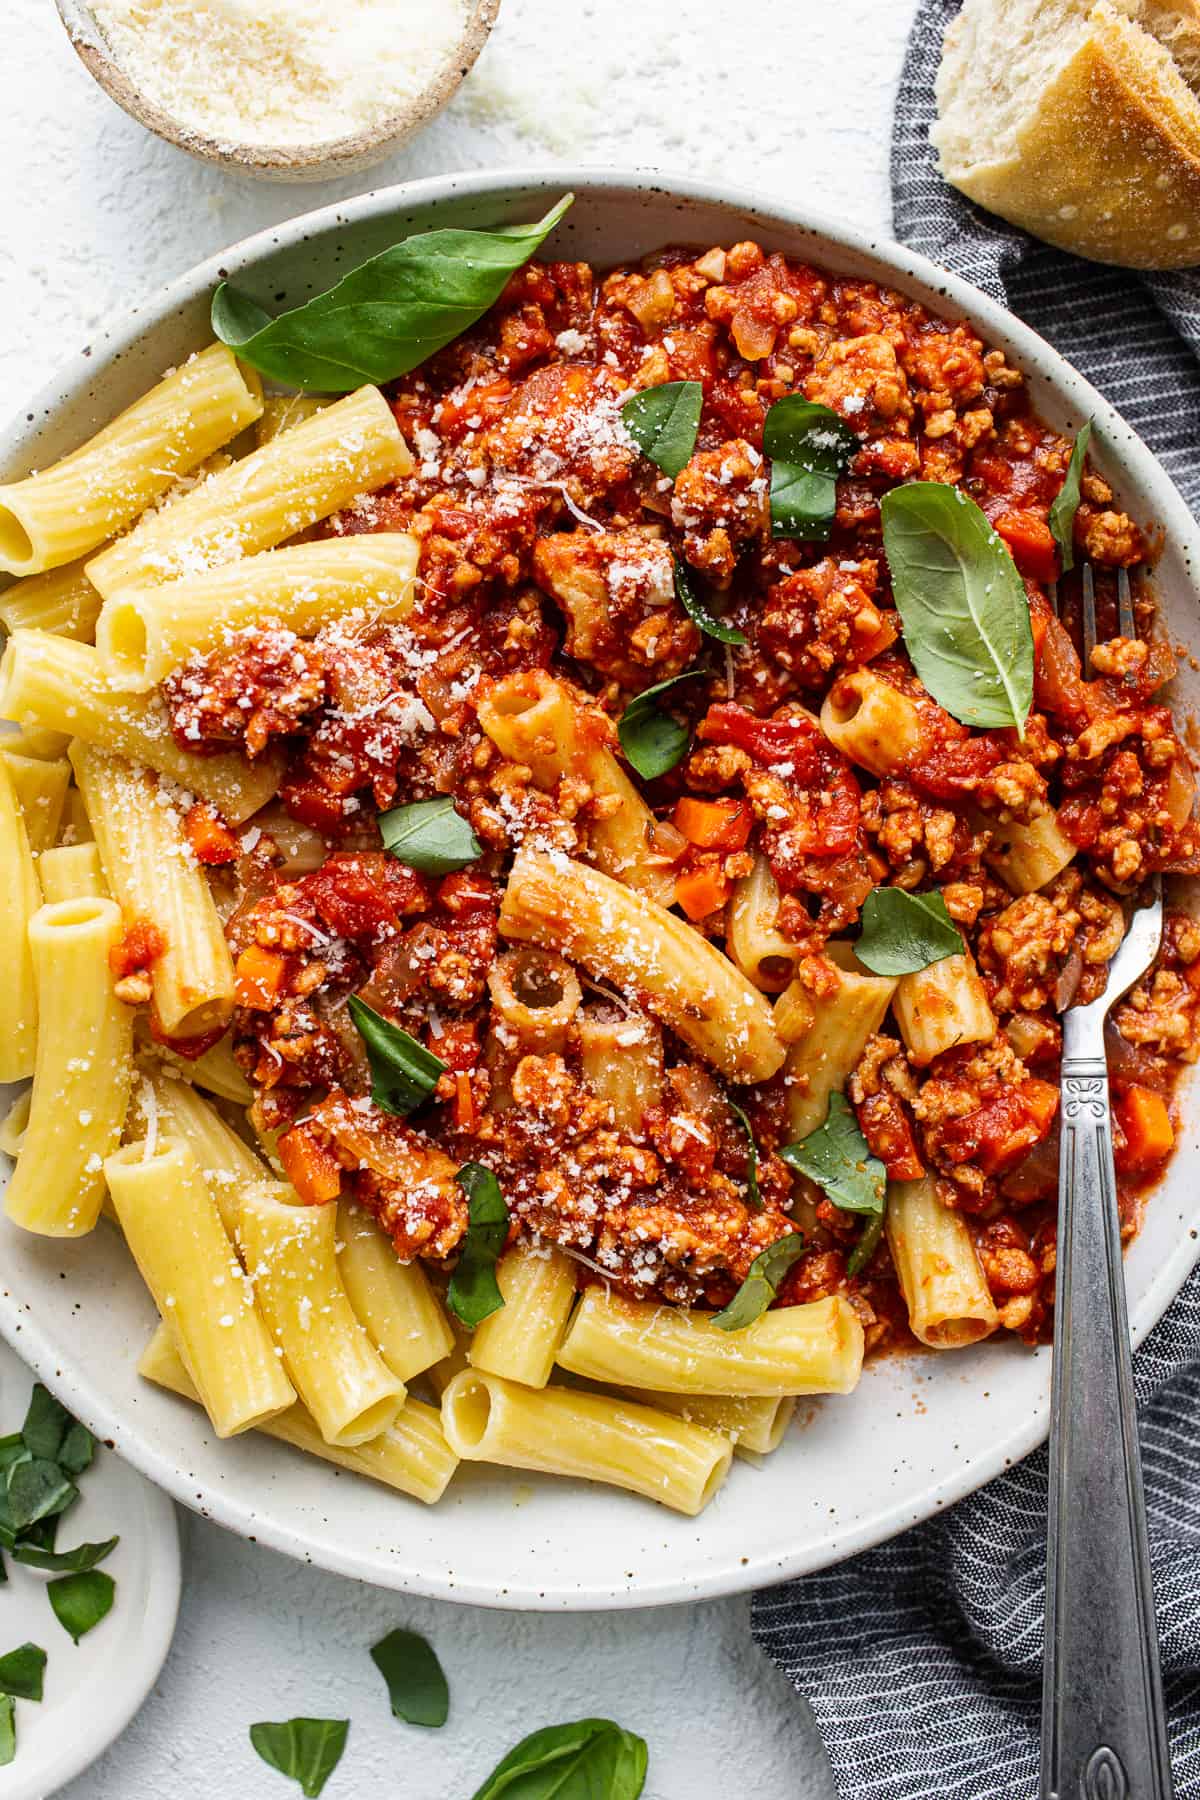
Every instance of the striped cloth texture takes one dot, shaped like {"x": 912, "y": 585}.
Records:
{"x": 922, "y": 1659}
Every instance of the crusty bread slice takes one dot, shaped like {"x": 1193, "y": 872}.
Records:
{"x": 1069, "y": 118}
{"x": 1176, "y": 25}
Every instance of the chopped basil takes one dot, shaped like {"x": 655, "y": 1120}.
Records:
{"x": 838, "y": 1158}
{"x": 761, "y": 1284}
{"x": 663, "y": 422}
{"x": 12, "y": 1449}
{"x": 386, "y": 316}
{"x": 8, "y": 1729}
{"x": 809, "y": 447}
{"x": 867, "y": 1243}
{"x": 1066, "y": 501}
{"x": 416, "y": 1684}
{"x": 403, "y": 1072}
{"x": 753, "y": 1197}
{"x": 431, "y": 836}
{"x": 962, "y": 604}
{"x": 81, "y": 1601}
{"x": 67, "y": 1562}
{"x": 35, "y": 1490}
{"x": 47, "y": 1423}
{"x": 687, "y": 592}
{"x": 903, "y": 932}
{"x": 654, "y": 740}
{"x": 308, "y": 1750}
{"x": 21, "y": 1672}
{"x": 590, "y": 1760}
{"x": 474, "y": 1293}
{"x": 78, "y": 1448}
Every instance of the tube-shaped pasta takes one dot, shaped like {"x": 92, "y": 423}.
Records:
{"x": 289, "y": 1251}
{"x": 750, "y": 1422}
{"x": 559, "y": 1431}
{"x": 622, "y": 937}
{"x": 70, "y": 871}
{"x": 872, "y": 722}
{"x": 533, "y": 719}
{"x": 812, "y": 1349}
{"x": 20, "y": 897}
{"x": 290, "y": 482}
{"x": 153, "y": 874}
{"x": 521, "y": 1341}
{"x": 144, "y": 633}
{"x": 48, "y": 681}
{"x": 536, "y": 995}
{"x": 62, "y": 600}
{"x": 1026, "y": 857}
{"x": 216, "y": 1071}
{"x": 756, "y": 944}
{"x": 55, "y": 516}
{"x": 412, "y": 1455}
{"x": 941, "y": 1006}
{"x": 175, "y": 1235}
{"x": 283, "y": 412}
{"x": 41, "y": 790}
{"x": 948, "y": 1298}
{"x": 76, "y": 827}
{"x": 15, "y": 1123}
{"x": 43, "y": 746}
{"x": 393, "y": 1301}
{"x": 84, "y": 1068}
{"x": 165, "y": 1103}
{"x": 442, "y": 1373}
{"x": 623, "y": 1063}
{"x": 826, "y": 1033}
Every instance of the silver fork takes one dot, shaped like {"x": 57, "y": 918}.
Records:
{"x": 1104, "y": 1731}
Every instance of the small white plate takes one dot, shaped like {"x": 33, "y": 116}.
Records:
{"x": 92, "y": 1689}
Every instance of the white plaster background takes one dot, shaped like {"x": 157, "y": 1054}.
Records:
{"x": 790, "y": 97}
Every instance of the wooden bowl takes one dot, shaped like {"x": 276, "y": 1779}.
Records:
{"x": 290, "y": 162}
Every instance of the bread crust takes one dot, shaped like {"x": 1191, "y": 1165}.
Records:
{"x": 1107, "y": 164}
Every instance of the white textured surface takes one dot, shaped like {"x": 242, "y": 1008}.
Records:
{"x": 786, "y": 96}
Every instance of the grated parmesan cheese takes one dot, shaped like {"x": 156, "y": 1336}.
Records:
{"x": 280, "y": 72}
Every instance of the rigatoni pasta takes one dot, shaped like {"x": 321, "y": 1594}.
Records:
{"x": 20, "y": 897}
{"x": 948, "y": 1299}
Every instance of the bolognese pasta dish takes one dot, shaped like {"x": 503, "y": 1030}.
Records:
{"x": 551, "y": 878}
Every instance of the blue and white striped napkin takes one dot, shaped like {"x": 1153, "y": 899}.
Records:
{"x": 922, "y": 1659}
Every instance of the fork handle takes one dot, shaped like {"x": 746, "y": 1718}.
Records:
{"x": 1104, "y": 1731}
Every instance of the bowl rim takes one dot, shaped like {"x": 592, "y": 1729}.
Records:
{"x": 324, "y": 158}
{"x": 936, "y": 286}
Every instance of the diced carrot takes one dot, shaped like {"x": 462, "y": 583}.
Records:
{"x": 464, "y": 1103}
{"x": 312, "y": 1168}
{"x": 258, "y": 977}
{"x": 211, "y": 842}
{"x": 1031, "y": 541}
{"x": 872, "y": 637}
{"x": 1146, "y": 1124}
{"x": 1039, "y": 619}
{"x": 701, "y": 891}
{"x": 714, "y": 824}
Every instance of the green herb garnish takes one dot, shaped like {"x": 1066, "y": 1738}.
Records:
{"x": 838, "y": 1158}
{"x": 761, "y": 1284}
{"x": 22, "y": 1671}
{"x": 590, "y": 1760}
{"x": 308, "y": 1750}
{"x": 416, "y": 1684}
{"x": 809, "y": 447}
{"x": 431, "y": 836}
{"x": 474, "y": 1293}
{"x": 663, "y": 422}
{"x": 403, "y": 1072}
{"x": 687, "y": 592}
{"x": 903, "y": 932}
{"x": 8, "y": 1729}
{"x": 386, "y": 316}
{"x": 36, "y": 1489}
{"x": 654, "y": 740}
{"x": 753, "y": 1197}
{"x": 81, "y": 1601}
{"x": 1066, "y": 501}
{"x": 67, "y": 1562}
{"x": 866, "y": 1244}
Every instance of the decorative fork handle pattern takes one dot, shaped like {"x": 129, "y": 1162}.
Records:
{"x": 1104, "y": 1734}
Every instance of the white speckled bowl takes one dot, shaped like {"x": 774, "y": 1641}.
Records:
{"x": 920, "y": 1432}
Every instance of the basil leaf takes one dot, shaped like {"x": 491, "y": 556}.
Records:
{"x": 838, "y": 1158}
{"x": 308, "y": 1750}
{"x": 416, "y": 1684}
{"x": 688, "y": 594}
{"x": 386, "y": 316}
{"x": 866, "y": 1245}
{"x": 69, "y": 1562}
{"x": 809, "y": 447}
{"x": 78, "y": 1448}
{"x": 590, "y": 1760}
{"x": 430, "y": 835}
{"x": 403, "y": 1072}
{"x": 36, "y": 1489}
{"x": 12, "y": 1449}
{"x": 47, "y": 1423}
{"x": 474, "y": 1293}
{"x": 903, "y": 932}
{"x": 21, "y": 1672}
{"x": 81, "y": 1601}
{"x": 753, "y": 1197}
{"x": 8, "y": 1729}
{"x": 761, "y": 1284}
{"x": 653, "y": 740}
{"x": 663, "y": 422}
{"x": 1066, "y": 501}
{"x": 961, "y": 602}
